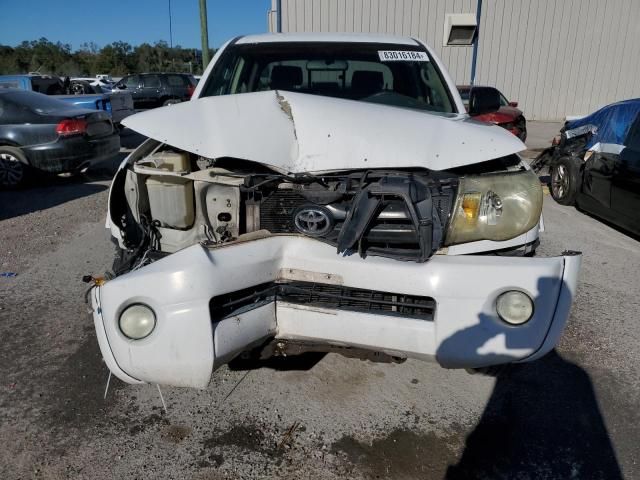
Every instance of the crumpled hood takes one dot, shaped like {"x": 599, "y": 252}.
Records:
{"x": 295, "y": 132}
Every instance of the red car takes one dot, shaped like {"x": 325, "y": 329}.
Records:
{"x": 508, "y": 116}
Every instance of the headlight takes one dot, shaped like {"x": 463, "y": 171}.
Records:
{"x": 514, "y": 307}
{"x": 137, "y": 321}
{"x": 495, "y": 207}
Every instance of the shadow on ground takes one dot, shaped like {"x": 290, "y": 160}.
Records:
{"x": 606, "y": 222}
{"x": 542, "y": 421}
{"x": 303, "y": 362}
{"x": 46, "y": 191}
{"x": 130, "y": 139}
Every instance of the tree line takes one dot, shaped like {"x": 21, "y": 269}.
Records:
{"x": 117, "y": 58}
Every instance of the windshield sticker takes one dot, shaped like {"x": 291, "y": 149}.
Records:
{"x": 402, "y": 56}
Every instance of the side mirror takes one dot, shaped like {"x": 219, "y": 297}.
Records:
{"x": 121, "y": 86}
{"x": 513, "y": 104}
{"x": 483, "y": 100}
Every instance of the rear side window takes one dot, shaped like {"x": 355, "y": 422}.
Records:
{"x": 151, "y": 81}
{"x": 464, "y": 95}
{"x": 177, "y": 81}
{"x": 48, "y": 86}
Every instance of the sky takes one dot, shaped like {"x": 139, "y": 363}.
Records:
{"x": 131, "y": 21}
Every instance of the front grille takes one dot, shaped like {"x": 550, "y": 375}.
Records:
{"x": 335, "y": 297}
{"x": 223, "y": 306}
{"x": 392, "y": 231}
{"x": 276, "y": 212}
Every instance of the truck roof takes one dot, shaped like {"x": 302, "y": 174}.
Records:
{"x": 327, "y": 37}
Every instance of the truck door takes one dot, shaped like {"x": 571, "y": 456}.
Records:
{"x": 625, "y": 184}
{"x": 151, "y": 90}
{"x": 131, "y": 84}
{"x": 598, "y": 171}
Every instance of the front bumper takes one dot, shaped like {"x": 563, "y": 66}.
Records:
{"x": 465, "y": 331}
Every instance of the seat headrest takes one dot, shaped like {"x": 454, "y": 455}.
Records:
{"x": 285, "y": 77}
{"x": 367, "y": 81}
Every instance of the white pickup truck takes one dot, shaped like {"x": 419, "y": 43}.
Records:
{"x": 326, "y": 192}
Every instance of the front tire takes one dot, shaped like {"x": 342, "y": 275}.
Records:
{"x": 565, "y": 181}
{"x": 14, "y": 167}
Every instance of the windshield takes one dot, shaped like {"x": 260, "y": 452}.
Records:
{"x": 399, "y": 75}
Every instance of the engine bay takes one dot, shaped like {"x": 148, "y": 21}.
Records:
{"x": 173, "y": 199}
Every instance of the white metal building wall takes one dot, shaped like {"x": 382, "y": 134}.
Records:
{"x": 556, "y": 57}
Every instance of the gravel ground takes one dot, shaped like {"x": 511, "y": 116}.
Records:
{"x": 573, "y": 414}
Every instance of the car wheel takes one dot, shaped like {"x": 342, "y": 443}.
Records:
{"x": 170, "y": 101}
{"x": 13, "y": 167}
{"x": 565, "y": 181}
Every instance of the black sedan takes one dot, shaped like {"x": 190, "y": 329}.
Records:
{"x": 595, "y": 164}
{"x": 42, "y": 133}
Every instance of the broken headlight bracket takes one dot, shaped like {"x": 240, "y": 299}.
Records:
{"x": 368, "y": 203}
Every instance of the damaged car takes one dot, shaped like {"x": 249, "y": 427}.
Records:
{"x": 508, "y": 116}
{"x": 325, "y": 193}
{"x": 594, "y": 164}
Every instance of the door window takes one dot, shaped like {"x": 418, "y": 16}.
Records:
{"x": 151, "y": 81}
{"x": 132, "y": 81}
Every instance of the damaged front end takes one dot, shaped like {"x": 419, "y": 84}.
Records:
{"x": 225, "y": 247}
{"x": 398, "y": 214}
{"x": 170, "y": 199}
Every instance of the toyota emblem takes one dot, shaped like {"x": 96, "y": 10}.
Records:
{"x": 313, "y": 221}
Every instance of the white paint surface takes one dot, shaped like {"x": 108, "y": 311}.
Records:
{"x": 185, "y": 345}
{"x": 295, "y": 132}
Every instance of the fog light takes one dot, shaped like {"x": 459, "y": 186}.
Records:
{"x": 514, "y": 307}
{"x": 137, "y": 321}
